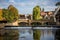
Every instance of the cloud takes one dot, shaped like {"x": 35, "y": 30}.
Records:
{"x": 21, "y": 4}
{"x": 26, "y": 6}
{"x": 11, "y": 1}
{"x": 50, "y": 8}
{"x": 1, "y": 7}
{"x": 2, "y": 1}
{"x": 44, "y": 3}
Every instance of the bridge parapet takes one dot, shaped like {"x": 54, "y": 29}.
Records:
{"x": 23, "y": 20}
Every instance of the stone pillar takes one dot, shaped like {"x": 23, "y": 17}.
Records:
{"x": 29, "y": 21}
{"x": 42, "y": 23}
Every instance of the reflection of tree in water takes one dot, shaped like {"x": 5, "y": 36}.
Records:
{"x": 43, "y": 34}
{"x": 36, "y": 34}
{"x": 11, "y": 35}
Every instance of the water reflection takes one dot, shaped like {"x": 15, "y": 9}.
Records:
{"x": 25, "y": 35}
{"x": 45, "y": 34}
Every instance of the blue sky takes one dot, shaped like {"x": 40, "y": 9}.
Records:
{"x": 26, "y": 6}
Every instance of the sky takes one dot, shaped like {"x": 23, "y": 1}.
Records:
{"x": 26, "y": 6}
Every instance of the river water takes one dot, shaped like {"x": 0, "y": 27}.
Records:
{"x": 47, "y": 35}
{"x": 27, "y": 34}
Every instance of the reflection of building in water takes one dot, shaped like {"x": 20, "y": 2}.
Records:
{"x": 57, "y": 34}
{"x": 47, "y": 35}
{"x": 47, "y": 31}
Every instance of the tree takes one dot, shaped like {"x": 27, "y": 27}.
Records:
{"x": 5, "y": 14}
{"x": 57, "y": 4}
{"x": 8, "y": 15}
{"x": 1, "y": 14}
{"x": 36, "y": 13}
{"x": 11, "y": 35}
{"x": 12, "y": 9}
{"x": 36, "y": 16}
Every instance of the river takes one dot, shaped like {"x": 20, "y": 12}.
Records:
{"x": 27, "y": 34}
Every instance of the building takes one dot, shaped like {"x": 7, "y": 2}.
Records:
{"x": 21, "y": 16}
{"x": 57, "y": 15}
{"x": 50, "y": 13}
{"x": 29, "y": 17}
{"x": 43, "y": 14}
{"x": 47, "y": 14}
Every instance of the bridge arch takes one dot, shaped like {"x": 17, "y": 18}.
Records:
{"x": 23, "y": 24}
{"x": 50, "y": 23}
{"x": 36, "y": 23}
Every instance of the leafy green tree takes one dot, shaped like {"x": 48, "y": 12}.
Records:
{"x": 8, "y": 15}
{"x": 36, "y": 13}
{"x": 12, "y": 9}
{"x": 36, "y": 16}
{"x": 5, "y": 13}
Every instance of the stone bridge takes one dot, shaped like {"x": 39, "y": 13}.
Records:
{"x": 31, "y": 22}
{"x": 25, "y": 22}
